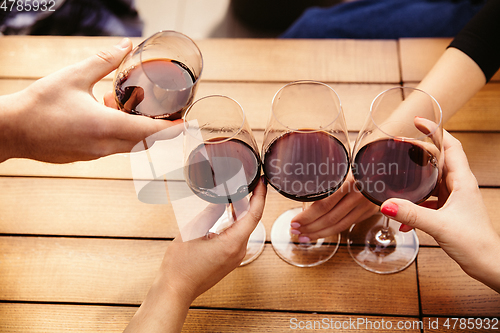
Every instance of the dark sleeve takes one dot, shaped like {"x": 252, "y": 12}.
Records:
{"x": 480, "y": 38}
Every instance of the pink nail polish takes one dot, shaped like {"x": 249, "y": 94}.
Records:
{"x": 304, "y": 239}
{"x": 295, "y": 225}
{"x": 390, "y": 209}
{"x": 294, "y": 232}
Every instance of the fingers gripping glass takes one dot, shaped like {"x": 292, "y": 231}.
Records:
{"x": 159, "y": 77}
{"x": 398, "y": 154}
{"x": 305, "y": 158}
{"x": 222, "y": 162}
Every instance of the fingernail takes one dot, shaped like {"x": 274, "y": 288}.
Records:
{"x": 295, "y": 232}
{"x": 304, "y": 239}
{"x": 405, "y": 228}
{"x": 390, "y": 209}
{"x": 123, "y": 44}
{"x": 295, "y": 225}
{"x": 263, "y": 180}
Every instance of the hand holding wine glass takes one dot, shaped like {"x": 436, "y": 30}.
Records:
{"x": 458, "y": 221}
{"x": 222, "y": 162}
{"x": 398, "y": 154}
{"x": 189, "y": 268}
{"x": 57, "y": 119}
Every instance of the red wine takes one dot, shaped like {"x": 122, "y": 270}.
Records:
{"x": 166, "y": 98}
{"x": 223, "y": 172}
{"x": 392, "y": 168}
{"x": 306, "y": 166}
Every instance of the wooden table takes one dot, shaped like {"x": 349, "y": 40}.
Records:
{"x": 78, "y": 250}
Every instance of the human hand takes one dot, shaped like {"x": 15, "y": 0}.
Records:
{"x": 191, "y": 268}
{"x": 461, "y": 224}
{"x": 57, "y": 119}
{"x": 333, "y": 214}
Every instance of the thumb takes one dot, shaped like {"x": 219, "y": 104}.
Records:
{"x": 412, "y": 215}
{"x": 104, "y": 62}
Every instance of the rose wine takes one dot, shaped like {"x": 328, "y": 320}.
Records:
{"x": 392, "y": 168}
{"x": 306, "y": 166}
{"x": 223, "y": 172}
{"x": 158, "y": 88}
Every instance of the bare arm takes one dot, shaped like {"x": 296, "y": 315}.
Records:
{"x": 453, "y": 80}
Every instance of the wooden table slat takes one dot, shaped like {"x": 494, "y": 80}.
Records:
{"x": 115, "y": 271}
{"x": 446, "y": 290}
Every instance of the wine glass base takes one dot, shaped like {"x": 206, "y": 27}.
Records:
{"x": 288, "y": 248}
{"x": 255, "y": 244}
{"x": 392, "y": 257}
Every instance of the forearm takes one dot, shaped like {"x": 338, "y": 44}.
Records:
{"x": 453, "y": 80}
{"x": 163, "y": 311}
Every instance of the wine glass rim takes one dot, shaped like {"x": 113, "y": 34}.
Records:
{"x": 180, "y": 34}
{"x": 302, "y": 82}
{"x": 186, "y": 123}
{"x": 438, "y": 125}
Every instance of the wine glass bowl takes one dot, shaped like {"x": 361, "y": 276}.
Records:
{"x": 305, "y": 158}
{"x": 398, "y": 154}
{"x": 159, "y": 77}
{"x": 222, "y": 161}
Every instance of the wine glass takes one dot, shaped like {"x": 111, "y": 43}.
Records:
{"x": 398, "y": 154}
{"x": 305, "y": 158}
{"x": 222, "y": 162}
{"x": 159, "y": 77}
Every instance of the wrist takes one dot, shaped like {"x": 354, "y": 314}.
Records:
{"x": 11, "y": 107}
{"x": 486, "y": 264}
{"x": 163, "y": 310}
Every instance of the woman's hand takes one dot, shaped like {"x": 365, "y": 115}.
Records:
{"x": 191, "y": 268}
{"x": 461, "y": 224}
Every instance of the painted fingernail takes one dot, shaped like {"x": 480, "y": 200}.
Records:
{"x": 263, "y": 180}
{"x": 295, "y": 232}
{"x": 405, "y": 228}
{"x": 304, "y": 239}
{"x": 295, "y": 225}
{"x": 390, "y": 209}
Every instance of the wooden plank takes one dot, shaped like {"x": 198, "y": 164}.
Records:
{"x": 110, "y": 208}
{"x": 48, "y": 318}
{"x": 45, "y": 269}
{"x": 418, "y": 55}
{"x": 446, "y": 290}
{"x": 53, "y": 318}
{"x": 224, "y": 59}
{"x": 482, "y": 150}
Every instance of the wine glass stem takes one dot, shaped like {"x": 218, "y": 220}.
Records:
{"x": 384, "y": 232}
{"x": 305, "y": 205}
{"x": 231, "y": 214}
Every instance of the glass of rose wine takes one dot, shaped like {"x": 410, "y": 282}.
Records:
{"x": 306, "y": 158}
{"x": 159, "y": 77}
{"x": 398, "y": 154}
{"x": 222, "y": 162}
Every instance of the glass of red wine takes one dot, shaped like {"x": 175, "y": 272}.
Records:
{"x": 398, "y": 154}
{"x": 159, "y": 77}
{"x": 222, "y": 162}
{"x": 306, "y": 158}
